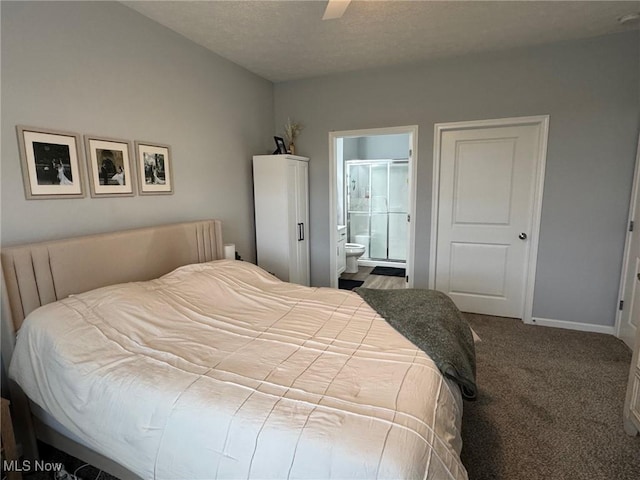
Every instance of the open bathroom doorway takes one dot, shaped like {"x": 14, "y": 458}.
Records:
{"x": 372, "y": 200}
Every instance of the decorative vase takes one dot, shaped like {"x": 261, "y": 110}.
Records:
{"x": 292, "y": 149}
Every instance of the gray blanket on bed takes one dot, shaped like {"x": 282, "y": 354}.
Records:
{"x": 434, "y": 324}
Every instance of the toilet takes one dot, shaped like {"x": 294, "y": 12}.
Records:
{"x": 353, "y": 251}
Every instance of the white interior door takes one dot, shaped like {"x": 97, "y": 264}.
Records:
{"x": 485, "y": 217}
{"x": 630, "y": 315}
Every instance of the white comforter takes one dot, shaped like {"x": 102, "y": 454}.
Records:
{"x": 220, "y": 370}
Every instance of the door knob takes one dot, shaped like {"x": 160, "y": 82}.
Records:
{"x": 522, "y": 236}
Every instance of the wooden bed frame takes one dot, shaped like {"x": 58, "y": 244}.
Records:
{"x": 41, "y": 273}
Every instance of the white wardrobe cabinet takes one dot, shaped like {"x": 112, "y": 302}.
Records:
{"x": 281, "y": 198}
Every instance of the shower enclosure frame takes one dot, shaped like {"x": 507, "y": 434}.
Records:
{"x": 334, "y": 137}
{"x": 373, "y": 261}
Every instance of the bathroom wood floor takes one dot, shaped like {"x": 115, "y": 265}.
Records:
{"x": 374, "y": 281}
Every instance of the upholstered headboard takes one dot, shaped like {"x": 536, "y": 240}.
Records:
{"x": 41, "y": 273}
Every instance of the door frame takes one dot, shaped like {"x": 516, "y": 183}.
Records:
{"x": 635, "y": 191}
{"x": 542, "y": 121}
{"x": 412, "y": 131}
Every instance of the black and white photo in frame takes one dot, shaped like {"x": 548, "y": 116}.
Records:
{"x": 51, "y": 166}
{"x": 154, "y": 168}
{"x": 110, "y": 172}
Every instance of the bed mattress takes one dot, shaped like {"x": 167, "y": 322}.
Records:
{"x": 220, "y": 370}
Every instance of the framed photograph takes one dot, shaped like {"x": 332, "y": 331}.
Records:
{"x": 109, "y": 165}
{"x": 51, "y": 166}
{"x": 281, "y": 148}
{"x": 155, "y": 175}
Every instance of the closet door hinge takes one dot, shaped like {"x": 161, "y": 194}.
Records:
{"x": 621, "y": 305}
{"x": 408, "y": 217}
{"x": 631, "y": 226}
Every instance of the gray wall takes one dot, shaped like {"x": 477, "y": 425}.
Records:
{"x": 376, "y": 147}
{"x": 590, "y": 90}
{"x": 351, "y": 148}
{"x": 102, "y": 68}
{"x": 395, "y": 147}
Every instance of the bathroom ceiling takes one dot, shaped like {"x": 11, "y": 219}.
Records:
{"x": 287, "y": 39}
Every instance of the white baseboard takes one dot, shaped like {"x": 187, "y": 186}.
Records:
{"x": 583, "y": 327}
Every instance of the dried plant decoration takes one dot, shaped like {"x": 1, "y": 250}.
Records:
{"x": 291, "y": 132}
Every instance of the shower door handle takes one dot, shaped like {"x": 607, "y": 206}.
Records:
{"x": 300, "y": 232}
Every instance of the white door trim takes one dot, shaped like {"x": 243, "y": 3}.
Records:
{"x": 412, "y": 131}
{"x": 439, "y": 129}
{"x": 635, "y": 191}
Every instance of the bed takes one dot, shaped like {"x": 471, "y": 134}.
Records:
{"x": 170, "y": 362}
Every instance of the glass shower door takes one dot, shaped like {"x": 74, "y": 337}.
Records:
{"x": 377, "y": 204}
{"x": 398, "y": 210}
{"x": 358, "y": 204}
{"x": 379, "y": 211}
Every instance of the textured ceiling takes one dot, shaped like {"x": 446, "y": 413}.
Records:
{"x": 287, "y": 40}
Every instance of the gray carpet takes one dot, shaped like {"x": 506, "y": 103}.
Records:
{"x": 549, "y": 405}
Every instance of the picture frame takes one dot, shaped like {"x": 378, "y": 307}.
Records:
{"x": 281, "y": 147}
{"x": 154, "y": 168}
{"x": 52, "y": 165}
{"x": 109, "y": 166}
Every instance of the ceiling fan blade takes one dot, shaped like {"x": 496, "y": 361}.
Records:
{"x": 335, "y": 9}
